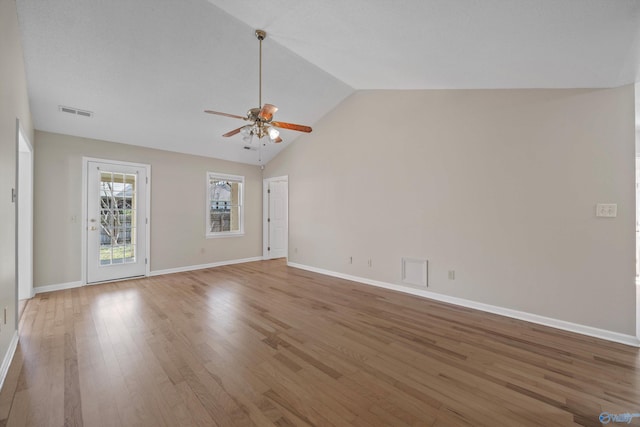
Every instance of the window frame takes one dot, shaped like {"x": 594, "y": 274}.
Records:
{"x": 211, "y": 176}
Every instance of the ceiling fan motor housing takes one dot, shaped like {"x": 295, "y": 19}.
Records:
{"x": 252, "y": 114}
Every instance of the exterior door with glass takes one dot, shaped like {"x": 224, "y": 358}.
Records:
{"x": 116, "y": 221}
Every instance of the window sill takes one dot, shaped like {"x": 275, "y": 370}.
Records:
{"x": 224, "y": 235}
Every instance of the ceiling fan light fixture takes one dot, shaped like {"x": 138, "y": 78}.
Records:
{"x": 273, "y": 133}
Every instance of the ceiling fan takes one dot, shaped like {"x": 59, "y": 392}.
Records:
{"x": 261, "y": 118}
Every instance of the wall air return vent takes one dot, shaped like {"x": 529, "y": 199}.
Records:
{"x": 415, "y": 272}
{"x": 75, "y": 111}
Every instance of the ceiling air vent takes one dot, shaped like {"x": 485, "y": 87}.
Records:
{"x": 76, "y": 111}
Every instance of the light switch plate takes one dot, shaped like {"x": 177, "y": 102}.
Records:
{"x": 607, "y": 210}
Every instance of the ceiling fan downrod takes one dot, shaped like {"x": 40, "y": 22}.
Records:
{"x": 260, "y": 35}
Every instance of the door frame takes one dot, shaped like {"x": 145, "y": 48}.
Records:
{"x": 85, "y": 213}
{"x": 24, "y": 215}
{"x": 637, "y": 234}
{"x": 265, "y": 214}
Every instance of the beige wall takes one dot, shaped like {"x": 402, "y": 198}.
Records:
{"x": 178, "y": 189}
{"x": 14, "y": 104}
{"x": 498, "y": 185}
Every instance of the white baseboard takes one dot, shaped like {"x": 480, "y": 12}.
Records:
{"x": 203, "y": 266}
{"x": 58, "y": 287}
{"x": 71, "y": 285}
{"x": 8, "y": 357}
{"x": 521, "y": 315}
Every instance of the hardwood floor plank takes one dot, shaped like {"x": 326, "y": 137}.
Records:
{"x": 265, "y": 344}
{"x": 72, "y": 398}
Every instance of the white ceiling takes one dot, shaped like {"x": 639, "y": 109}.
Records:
{"x": 148, "y": 68}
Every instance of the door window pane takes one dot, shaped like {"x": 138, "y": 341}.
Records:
{"x": 117, "y": 218}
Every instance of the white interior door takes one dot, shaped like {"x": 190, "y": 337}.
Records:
{"x": 277, "y": 218}
{"x": 116, "y": 221}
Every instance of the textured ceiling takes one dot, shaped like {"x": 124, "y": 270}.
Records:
{"x": 427, "y": 44}
{"x": 148, "y": 68}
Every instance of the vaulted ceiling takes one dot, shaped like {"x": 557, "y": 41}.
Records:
{"x": 148, "y": 68}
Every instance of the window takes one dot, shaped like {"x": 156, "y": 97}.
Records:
{"x": 225, "y": 215}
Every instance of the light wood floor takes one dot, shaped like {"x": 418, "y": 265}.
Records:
{"x": 264, "y": 344}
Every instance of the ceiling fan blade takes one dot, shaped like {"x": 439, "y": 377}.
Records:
{"x": 233, "y": 132}
{"x": 267, "y": 111}
{"x": 233, "y": 116}
{"x": 299, "y": 128}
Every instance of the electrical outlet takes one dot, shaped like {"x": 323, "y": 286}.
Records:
{"x": 452, "y": 275}
{"x": 607, "y": 210}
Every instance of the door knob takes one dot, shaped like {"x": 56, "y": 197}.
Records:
{"x": 93, "y": 228}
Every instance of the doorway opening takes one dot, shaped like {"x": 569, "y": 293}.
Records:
{"x": 24, "y": 218}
